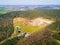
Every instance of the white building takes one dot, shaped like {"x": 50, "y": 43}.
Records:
{"x": 27, "y": 34}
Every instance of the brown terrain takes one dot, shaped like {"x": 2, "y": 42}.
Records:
{"x": 41, "y": 35}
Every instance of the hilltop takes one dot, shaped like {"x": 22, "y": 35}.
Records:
{"x": 7, "y": 21}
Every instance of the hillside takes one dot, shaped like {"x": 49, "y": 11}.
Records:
{"x": 6, "y": 20}
{"x": 49, "y": 35}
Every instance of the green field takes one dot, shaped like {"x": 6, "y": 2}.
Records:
{"x": 28, "y": 28}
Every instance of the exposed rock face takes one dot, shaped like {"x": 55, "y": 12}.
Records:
{"x": 40, "y": 21}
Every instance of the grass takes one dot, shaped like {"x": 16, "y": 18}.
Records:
{"x": 28, "y": 28}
